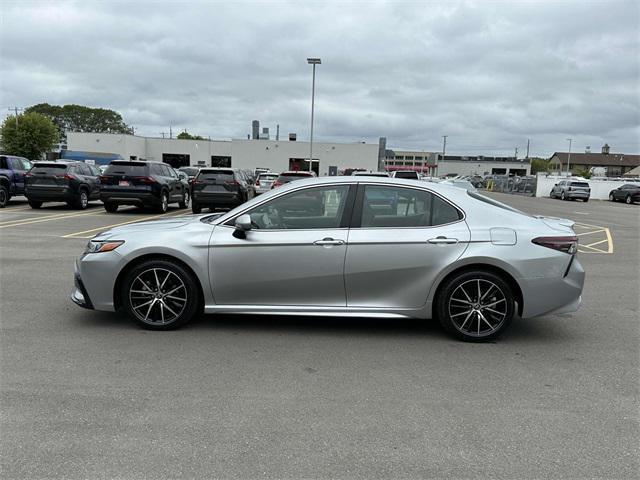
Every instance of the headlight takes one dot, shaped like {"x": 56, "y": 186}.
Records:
{"x": 99, "y": 246}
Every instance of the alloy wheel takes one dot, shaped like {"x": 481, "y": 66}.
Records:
{"x": 84, "y": 200}
{"x": 478, "y": 307}
{"x": 158, "y": 296}
{"x": 165, "y": 202}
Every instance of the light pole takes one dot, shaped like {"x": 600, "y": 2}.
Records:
{"x": 314, "y": 62}
{"x": 569, "y": 156}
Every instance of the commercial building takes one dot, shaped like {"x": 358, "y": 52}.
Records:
{"x": 277, "y": 155}
{"x": 614, "y": 164}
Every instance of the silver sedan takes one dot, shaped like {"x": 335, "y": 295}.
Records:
{"x": 341, "y": 246}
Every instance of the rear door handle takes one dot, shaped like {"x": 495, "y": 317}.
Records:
{"x": 442, "y": 240}
{"x": 328, "y": 241}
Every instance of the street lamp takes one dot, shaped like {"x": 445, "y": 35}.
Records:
{"x": 314, "y": 62}
{"x": 569, "y": 156}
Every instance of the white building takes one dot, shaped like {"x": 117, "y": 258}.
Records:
{"x": 245, "y": 154}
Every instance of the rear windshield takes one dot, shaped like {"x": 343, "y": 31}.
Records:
{"x": 222, "y": 175}
{"x": 495, "y": 203}
{"x": 264, "y": 176}
{"x": 290, "y": 177}
{"x": 120, "y": 168}
{"x": 580, "y": 184}
{"x": 49, "y": 169}
{"x": 406, "y": 175}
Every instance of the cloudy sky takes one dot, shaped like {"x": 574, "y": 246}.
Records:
{"x": 490, "y": 75}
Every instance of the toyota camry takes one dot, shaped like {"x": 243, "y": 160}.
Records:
{"x": 341, "y": 246}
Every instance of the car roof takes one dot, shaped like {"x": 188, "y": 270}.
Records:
{"x": 48, "y": 163}
{"x": 217, "y": 169}
{"x": 296, "y": 172}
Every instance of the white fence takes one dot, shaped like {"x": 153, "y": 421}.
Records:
{"x": 599, "y": 188}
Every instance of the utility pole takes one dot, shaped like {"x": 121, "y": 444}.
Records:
{"x": 313, "y": 62}
{"x": 163, "y": 134}
{"x": 527, "y": 157}
{"x": 170, "y": 132}
{"x": 444, "y": 150}
{"x": 516, "y": 154}
{"x": 569, "y": 156}
{"x": 16, "y": 110}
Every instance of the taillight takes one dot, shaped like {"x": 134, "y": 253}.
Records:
{"x": 276, "y": 184}
{"x": 567, "y": 244}
{"x": 67, "y": 176}
{"x": 145, "y": 179}
{"x": 257, "y": 183}
{"x": 232, "y": 182}
{"x": 103, "y": 178}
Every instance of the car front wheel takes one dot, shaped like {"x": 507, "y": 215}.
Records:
{"x": 612, "y": 198}
{"x": 4, "y": 196}
{"x": 562, "y": 197}
{"x": 160, "y": 294}
{"x": 164, "y": 203}
{"x": 185, "y": 201}
{"x": 628, "y": 200}
{"x": 476, "y": 306}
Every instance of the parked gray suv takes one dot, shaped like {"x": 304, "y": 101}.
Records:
{"x": 570, "y": 190}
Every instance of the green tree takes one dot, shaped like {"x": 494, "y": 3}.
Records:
{"x": 33, "y": 136}
{"x": 78, "y": 118}
{"x": 540, "y": 165}
{"x": 583, "y": 172}
{"x": 187, "y": 136}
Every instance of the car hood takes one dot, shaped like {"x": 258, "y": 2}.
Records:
{"x": 151, "y": 226}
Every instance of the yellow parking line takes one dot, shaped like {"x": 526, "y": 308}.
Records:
{"x": 610, "y": 239}
{"x": 48, "y": 218}
{"x": 52, "y": 216}
{"x": 106, "y": 227}
{"x": 591, "y": 245}
{"x": 589, "y": 233}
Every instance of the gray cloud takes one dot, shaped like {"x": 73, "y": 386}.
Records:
{"x": 488, "y": 74}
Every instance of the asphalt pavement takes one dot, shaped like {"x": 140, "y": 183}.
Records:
{"x": 88, "y": 394}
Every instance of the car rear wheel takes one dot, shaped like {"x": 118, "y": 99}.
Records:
{"x": 160, "y": 295}
{"x": 185, "y": 200}
{"x": 476, "y": 306}
{"x": 562, "y": 197}
{"x": 111, "y": 207}
{"x": 82, "y": 201}
{"x": 4, "y": 196}
{"x": 164, "y": 203}
{"x": 612, "y": 198}
{"x": 195, "y": 208}
{"x": 551, "y": 195}
{"x": 34, "y": 204}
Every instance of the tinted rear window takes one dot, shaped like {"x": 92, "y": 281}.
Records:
{"x": 133, "y": 169}
{"x": 580, "y": 184}
{"x": 48, "y": 169}
{"x": 189, "y": 171}
{"x": 221, "y": 175}
{"x": 290, "y": 177}
{"x": 268, "y": 177}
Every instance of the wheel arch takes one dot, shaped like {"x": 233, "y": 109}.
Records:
{"x": 117, "y": 300}
{"x": 487, "y": 267}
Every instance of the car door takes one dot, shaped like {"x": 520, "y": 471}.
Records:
{"x": 400, "y": 239}
{"x": 171, "y": 180}
{"x": 19, "y": 170}
{"x": 293, "y": 255}
{"x": 93, "y": 181}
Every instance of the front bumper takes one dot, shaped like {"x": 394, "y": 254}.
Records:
{"x": 79, "y": 296}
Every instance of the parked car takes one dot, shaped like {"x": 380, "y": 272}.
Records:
{"x": 76, "y": 183}
{"x": 143, "y": 184}
{"x": 629, "y": 193}
{"x": 322, "y": 246}
{"x": 218, "y": 188}
{"x": 359, "y": 173}
{"x": 290, "y": 176}
{"x": 191, "y": 172}
{"x": 258, "y": 170}
{"x": 408, "y": 174}
{"x": 476, "y": 180}
{"x": 264, "y": 182}
{"x": 571, "y": 190}
{"x": 12, "y": 172}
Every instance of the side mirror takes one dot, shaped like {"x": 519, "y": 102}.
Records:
{"x": 556, "y": 185}
{"x": 243, "y": 225}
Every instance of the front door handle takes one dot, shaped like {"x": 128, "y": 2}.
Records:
{"x": 442, "y": 240}
{"x": 328, "y": 241}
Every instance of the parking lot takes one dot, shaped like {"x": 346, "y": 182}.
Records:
{"x": 89, "y": 395}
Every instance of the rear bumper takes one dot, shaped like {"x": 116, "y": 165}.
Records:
{"x": 580, "y": 195}
{"x": 553, "y": 295}
{"x": 217, "y": 199}
{"x": 130, "y": 198}
{"x": 50, "y": 194}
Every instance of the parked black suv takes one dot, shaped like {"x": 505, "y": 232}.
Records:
{"x": 218, "y": 188}
{"x": 73, "y": 182}
{"x": 142, "y": 184}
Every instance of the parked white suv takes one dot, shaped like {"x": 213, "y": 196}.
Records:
{"x": 409, "y": 174}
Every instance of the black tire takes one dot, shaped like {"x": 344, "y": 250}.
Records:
{"x": 164, "y": 203}
{"x": 499, "y": 296}
{"x": 585, "y": 200}
{"x": 562, "y": 197}
{"x": 195, "y": 208}
{"x": 185, "y": 201}
{"x": 82, "y": 202}
{"x": 111, "y": 207}
{"x": 4, "y": 196}
{"x": 612, "y": 198}
{"x": 179, "y": 280}
{"x": 34, "y": 204}
{"x": 628, "y": 200}
{"x": 551, "y": 195}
